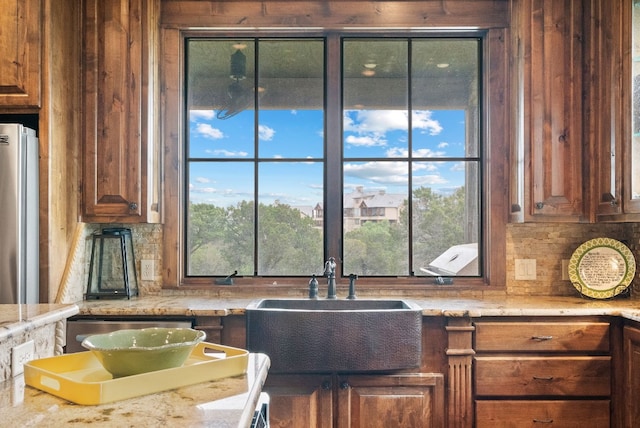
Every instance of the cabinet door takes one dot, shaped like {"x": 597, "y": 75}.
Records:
{"x": 118, "y": 56}
{"x": 631, "y": 78}
{"x": 631, "y": 375}
{"x": 605, "y": 123}
{"x": 300, "y": 400}
{"x": 20, "y": 49}
{"x": 550, "y": 39}
{"x": 403, "y": 400}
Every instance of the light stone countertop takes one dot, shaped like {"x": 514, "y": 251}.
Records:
{"x": 17, "y": 319}
{"x": 223, "y": 403}
{"x": 437, "y": 306}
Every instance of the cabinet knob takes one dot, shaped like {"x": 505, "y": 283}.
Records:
{"x": 326, "y": 385}
{"x": 133, "y": 206}
{"x": 539, "y": 205}
{"x": 344, "y": 385}
{"x": 614, "y": 202}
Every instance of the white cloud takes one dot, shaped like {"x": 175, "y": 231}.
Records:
{"x": 227, "y": 153}
{"x": 383, "y": 121}
{"x": 443, "y": 145}
{"x": 421, "y": 119}
{"x": 391, "y": 173}
{"x": 375, "y": 121}
{"x": 265, "y": 133}
{"x": 209, "y": 131}
{"x": 424, "y": 166}
{"x": 459, "y": 166}
{"x": 196, "y": 189}
{"x": 428, "y": 180}
{"x": 395, "y": 173}
{"x": 402, "y": 152}
{"x": 365, "y": 140}
{"x": 202, "y": 180}
{"x": 195, "y": 115}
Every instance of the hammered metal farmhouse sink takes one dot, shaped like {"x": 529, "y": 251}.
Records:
{"x": 335, "y": 336}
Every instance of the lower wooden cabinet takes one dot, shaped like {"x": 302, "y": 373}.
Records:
{"x": 390, "y": 400}
{"x": 406, "y": 400}
{"x": 212, "y": 326}
{"x": 631, "y": 349}
{"x": 542, "y": 413}
{"x": 543, "y": 372}
{"x": 300, "y": 400}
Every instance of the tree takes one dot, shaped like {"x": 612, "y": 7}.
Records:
{"x": 205, "y": 225}
{"x": 205, "y": 232}
{"x": 288, "y": 242}
{"x": 376, "y": 248}
{"x": 238, "y": 237}
{"x": 222, "y": 240}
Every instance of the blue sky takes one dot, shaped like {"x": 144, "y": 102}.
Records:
{"x": 288, "y": 134}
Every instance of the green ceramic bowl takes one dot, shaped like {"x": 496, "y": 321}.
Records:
{"x": 130, "y": 352}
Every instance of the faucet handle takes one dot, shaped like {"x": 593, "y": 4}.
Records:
{"x": 352, "y": 286}
{"x": 313, "y": 287}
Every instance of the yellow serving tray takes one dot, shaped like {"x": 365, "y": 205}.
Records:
{"x": 80, "y": 377}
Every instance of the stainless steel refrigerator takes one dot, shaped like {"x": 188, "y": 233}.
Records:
{"x": 19, "y": 219}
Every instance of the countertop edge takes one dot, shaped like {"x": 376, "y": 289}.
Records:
{"x": 256, "y": 388}
{"x": 448, "y": 307}
{"x": 24, "y": 318}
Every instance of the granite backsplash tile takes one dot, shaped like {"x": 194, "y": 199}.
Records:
{"x": 547, "y": 243}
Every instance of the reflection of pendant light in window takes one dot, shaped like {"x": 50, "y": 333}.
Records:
{"x": 237, "y": 98}
{"x": 238, "y": 65}
{"x": 369, "y": 69}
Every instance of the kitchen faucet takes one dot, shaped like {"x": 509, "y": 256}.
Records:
{"x": 330, "y": 272}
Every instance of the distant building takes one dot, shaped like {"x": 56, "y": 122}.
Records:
{"x": 360, "y": 207}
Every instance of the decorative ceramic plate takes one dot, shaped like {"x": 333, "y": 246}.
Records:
{"x": 602, "y": 268}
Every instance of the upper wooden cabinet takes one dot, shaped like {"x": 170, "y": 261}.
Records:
{"x": 578, "y": 145}
{"x": 20, "y": 53}
{"x": 615, "y": 119}
{"x": 548, "y": 74}
{"x": 121, "y": 157}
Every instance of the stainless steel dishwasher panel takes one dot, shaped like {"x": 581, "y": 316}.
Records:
{"x": 77, "y": 330}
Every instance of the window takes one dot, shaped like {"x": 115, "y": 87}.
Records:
{"x": 285, "y": 167}
{"x": 411, "y": 133}
{"x": 255, "y": 158}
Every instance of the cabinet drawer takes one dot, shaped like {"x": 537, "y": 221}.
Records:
{"x": 542, "y": 336}
{"x": 562, "y": 376}
{"x": 543, "y": 413}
